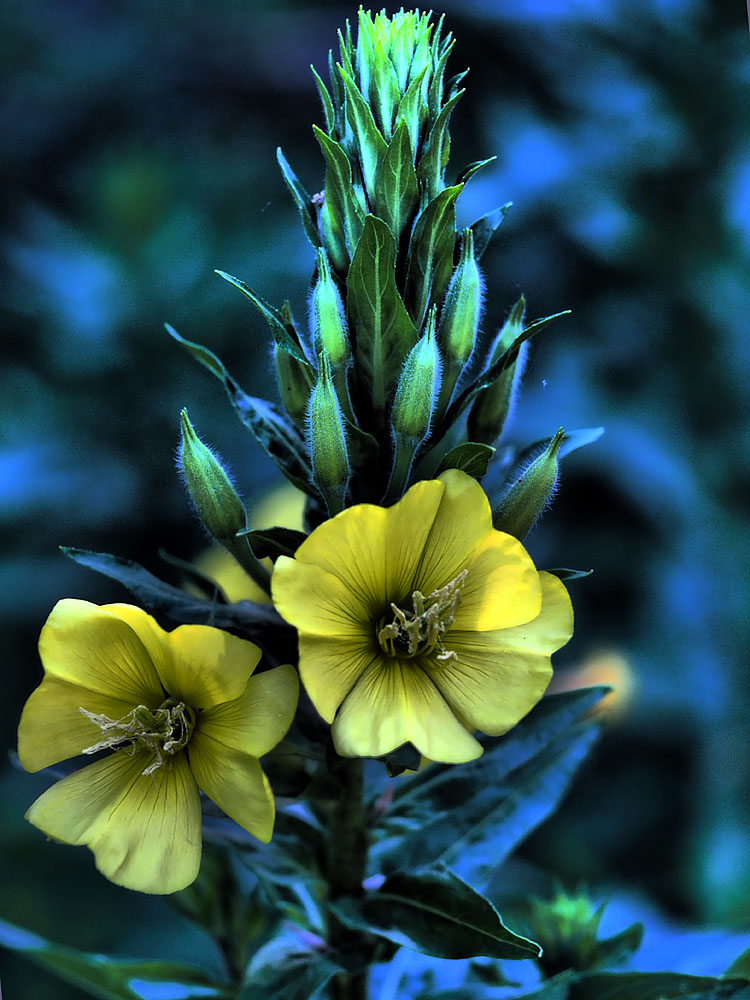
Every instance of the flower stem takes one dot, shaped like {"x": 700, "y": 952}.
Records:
{"x": 345, "y": 869}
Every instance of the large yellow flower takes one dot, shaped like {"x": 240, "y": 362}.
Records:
{"x": 181, "y": 711}
{"x": 420, "y": 622}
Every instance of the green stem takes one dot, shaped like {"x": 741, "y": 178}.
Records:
{"x": 346, "y": 860}
{"x": 240, "y": 548}
{"x": 402, "y": 463}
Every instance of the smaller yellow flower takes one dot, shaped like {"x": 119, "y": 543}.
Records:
{"x": 181, "y": 712}
{"x": 420, "y": 621}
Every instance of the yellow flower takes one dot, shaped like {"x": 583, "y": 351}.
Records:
{"x": 420, "y": 622}
{"x": 181, "y": 711}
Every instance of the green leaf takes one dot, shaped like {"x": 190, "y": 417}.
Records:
{"x": 437, "y": 913}
{"x": 616, "y": 949}
{"x": 410, "y": 109}
{"x": 284, "y": 335}
{"x": 472, "y": 817}
{"x": 274, "y": 542}
{"x": 325, "y": 97}
{"x": 484, "y": 228}
{"x": 276, "y": 435}
{"x": 111, "y": 978}
{"x": 473, "y": 168}
{"x": 371, "y": 145}
{"x": 293, "y": 977}
{"x": 431, "y": 250}
{"x": 173, "y": 603}
{"x": 385, "y": 334}
{"x": 431, "y": 166}
{"x": 344, "y": 209}
{"x": 570, "y": 574}
{"x": 471, "y": 457}
{"x": 741, "y": 966}
{"x": 656, "y": 986}
{"x": 302, "y": 199}
{"x": 397, "y": 193}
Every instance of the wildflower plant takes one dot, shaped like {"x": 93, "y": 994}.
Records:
{"x": 374, "y": 813}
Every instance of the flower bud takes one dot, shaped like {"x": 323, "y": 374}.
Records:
{"x": 295, "y": 384}
{"x": 490, "y": 411}
{"x": 327, "y": 438}
{"x": 215, "y": 499}
{"x": 418, "y": 386}
{"x": 532, "y": 490}
{"x": 327, "y": 319}
{"x": 463, "y": 304}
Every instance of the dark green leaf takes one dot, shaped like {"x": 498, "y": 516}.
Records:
{"x": 616, "y": 949}
{"x": 471, "y": 457}
{"x": 406, "y": 758}
{"x": 385, "y": 334}
{"x": 302, "y": 199}
{"x": 410, "y": 108}
{"x": 344, "y": 208}
{"x": 431, "y": 250}
{"x": 740, "y": 968}
{"x": 111, "y": 978}
{"x": 473, "y": 168}
{"x": 656, "y": 986}
{"x": 471, "y": 817}
{"x": 295, "y": 977}
{"x": 484, "y": 228}
{"x": 397, "y": 192}
{"x": 284, "y": 335}
{"x": 437, "y": 913}
{"x": 274, "y": 542}
{"x": 570, "y": 574}
{"x": 432, "y": 163}
{"x": 173, "y": 603}
{"x": 370, "y": 143}
{"x": 279, "y": 438}
{"x": 209, "y": 588}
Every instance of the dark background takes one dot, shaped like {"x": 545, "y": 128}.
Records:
{"x": 138, "y": 155}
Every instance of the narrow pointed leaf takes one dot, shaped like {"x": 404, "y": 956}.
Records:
{"x": 432, "y": 163}
{"x": 279, "y": 438}
{"x": 111, "y": 978}
{"x": 410, "y": 109}
{"x": 431, "y": 254}
{"x": 274, "y": 542}
{"x": 302, "y": 199}
{"x": 370, "y": 143}
{"x": 437, "y": 913}
{"x": 343, "y": 206}
{"x": 484, "y": 228}
{"x": 397, "y": 183}
{"x": 385, "y": 334}
{"x": 570, "y": 574}
{"x": 473, "y": 168}
{"x": 325, "y": 98}
{"x": 284, "y": 335}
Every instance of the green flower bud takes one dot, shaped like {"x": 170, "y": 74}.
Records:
{"x": 215, "y": 499}
{"x": 489, "y": 413}
{"x": 327, "y": 439}
{"x": 463, "y": 304}
{"x": 418, "y": 386}
{"x": 327, "y": 319}
{"x": 295, "y": 384}
{"x": 531, "y": 492}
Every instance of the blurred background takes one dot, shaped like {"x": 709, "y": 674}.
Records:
{"x": 139, "y": 155}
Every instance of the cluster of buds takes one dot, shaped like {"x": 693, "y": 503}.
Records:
{"x": 390, "y": 380}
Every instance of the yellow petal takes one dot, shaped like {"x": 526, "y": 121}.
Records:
{"x": 394, "y": 702}
{"x": 501, "y": 588}
{"x": 330, "y": 667}
{"x": 462, "y": 520}
{"x": 315, "y": 600}
{"x": 84, "y": 645}
{"x": 235, "y": 782}
{"x": 256, "y": 721}
{"x": 148, "y": 630}
{"x": 207, "y": 666}
{"x": 218, "y": 565}
{"x": 375, "y": 551}
{"x": 501, "y": 675}
{"x": 52, "y": 728}
{"x": 144, "y": 830}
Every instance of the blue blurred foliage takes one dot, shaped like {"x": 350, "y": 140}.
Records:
{"x": 139, "y": 155}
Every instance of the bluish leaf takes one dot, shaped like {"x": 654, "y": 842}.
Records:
{"x": 302, "y": 199}
{"x": 431, "y": 250}
{"x": 471, "y": 457}
{"x": 656, "y": 986}
{"x": 484, "y": 228}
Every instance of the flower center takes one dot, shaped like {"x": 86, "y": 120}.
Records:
{"x": 419, "y": 629}
{"x": 163, "y": 730}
